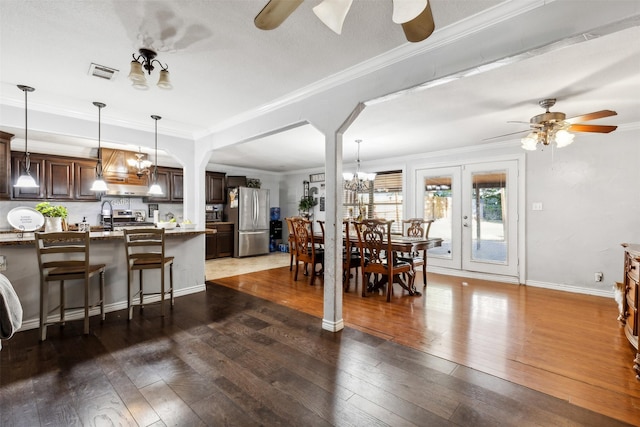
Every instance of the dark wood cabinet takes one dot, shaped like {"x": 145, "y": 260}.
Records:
{"x": 59, "y": 179}
{"x": 170, "y": 181}
{"x": 215, "y": 187}
{"x": 5, "y": 165}
{"x": 220, "y": 243}
{"x": 85, "y": 174}
{"x": 629, "y": 289}
{"x": 236, "y": 181}
{"x": 37, "y": 172}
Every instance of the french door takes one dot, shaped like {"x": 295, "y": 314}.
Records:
{"x": 475, "y": 207}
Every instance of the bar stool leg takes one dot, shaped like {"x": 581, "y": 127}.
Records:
{"x": 162, "y": 268}
{"x": 102, "y": 295}
{"x": 86, "y": 306}
{"x": 44, "y": 309}
{"x": 62, "y": 302}
{"x": 171, "y": 281}
{"x": 129, "y": 297}
{"x": 141, "y": 292}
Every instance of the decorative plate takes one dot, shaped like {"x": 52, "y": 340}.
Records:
{"x": 25, "y": 219}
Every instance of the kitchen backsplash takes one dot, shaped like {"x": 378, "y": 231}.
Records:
{"x": 91, "y": 210}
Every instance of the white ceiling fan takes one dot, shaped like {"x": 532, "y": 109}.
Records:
{"x": 414, "y": 15}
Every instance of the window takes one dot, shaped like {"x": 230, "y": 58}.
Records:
{"x": 383, "y": 200}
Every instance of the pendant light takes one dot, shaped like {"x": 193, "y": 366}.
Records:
{"x": 99, "y": 185}
{"x": 155, "y": 189}
{"x": 26, "y": 180}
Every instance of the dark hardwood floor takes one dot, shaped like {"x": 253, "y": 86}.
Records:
{"x": 226, "y": 357}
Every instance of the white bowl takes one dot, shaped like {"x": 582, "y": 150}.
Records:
{"x": 189, "y": 226}
{"x": 167, "y": 225}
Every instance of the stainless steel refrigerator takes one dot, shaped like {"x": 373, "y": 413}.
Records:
{"x": 252, "y": 221}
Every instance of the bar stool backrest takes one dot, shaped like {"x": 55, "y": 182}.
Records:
{"x": 66, "y": 253}
{"x": 145, "y": 244}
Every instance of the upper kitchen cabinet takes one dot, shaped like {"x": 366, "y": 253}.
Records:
{"x": 170, "y": 181}
{"x": 215, "y": 187}
{"x": 5, "y": 165}
{"x": 59, "y": 177}
{"x": 116, "y": 168}
{"x": 85, "y": 174}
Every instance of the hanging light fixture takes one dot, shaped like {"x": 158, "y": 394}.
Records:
{"x": 99, "y": 185}
{"x": 155, "y": 189}
{"x": 360, "y": 181}
{"x": 26, "y": 180}
{"x": 140, "y": 163}
{"x": 549, "y": 127}
{"x": 146, "y": 59}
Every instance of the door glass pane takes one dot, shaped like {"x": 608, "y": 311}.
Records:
{"x": 438, "y": 205}
{"x": 488, "y": 225}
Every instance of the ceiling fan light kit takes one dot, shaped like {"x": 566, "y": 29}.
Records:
{"x": 552, "y": 126}
{"x": 414, "y": 15}
{"x": 145, "y": 61}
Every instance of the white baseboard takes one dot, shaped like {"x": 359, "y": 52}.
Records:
{"x": 332, "y": 326}
{"x": 473, "y": 275}
{"x": 108, "y": 308}
{"x": 570, "y": 288}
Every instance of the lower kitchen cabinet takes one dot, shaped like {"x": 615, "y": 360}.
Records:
{"x": 220, "y": 243}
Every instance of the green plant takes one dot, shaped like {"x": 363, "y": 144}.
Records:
{"x": 306, "y": 203}
{"x": 48, "y": 210}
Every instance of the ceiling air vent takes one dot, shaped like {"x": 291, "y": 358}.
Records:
{"x": 102, "y": 71}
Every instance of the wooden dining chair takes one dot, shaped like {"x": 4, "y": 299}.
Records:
{"x": 306, "y": 250}
{"x": 374, "y": 240}
{"x": 416, "y": 227}
{"x": 351, "y": 258}
{"x": 145, "y": 250}
{"x": 64, "y": 256}
{"x": 292, "y": 242}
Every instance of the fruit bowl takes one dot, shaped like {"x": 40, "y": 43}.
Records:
{"x": 167, "y": 225}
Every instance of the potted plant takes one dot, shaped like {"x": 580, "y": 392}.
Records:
{"x": 305, "y": 205}
{"x": 54, "y": 216}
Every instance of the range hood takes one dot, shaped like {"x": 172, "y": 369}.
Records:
{"x": 122, "y": 179}
{"x": 127, "y": 190}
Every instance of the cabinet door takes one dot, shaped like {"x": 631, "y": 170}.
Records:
{"x": 37, "y": 172}
{"x": 59, "y": 177}
{"x": 164, "y": 183}
{"x": 211, "y": 246}
{"x": 215, "y": 187}
{"x": 5, "y": 165}
{"x": 177, "y": 187}
{"x": 85, "y": 174}
{"x": 225, "y": 243}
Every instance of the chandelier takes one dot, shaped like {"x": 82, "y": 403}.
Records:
{"x": 550, "y": 127}
{"x": 146, "y": 59}
{"x": 140, "y": 163}
{"x": 360, "y": 181}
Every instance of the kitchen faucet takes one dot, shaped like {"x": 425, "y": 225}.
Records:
{"x": 110, "y": 213}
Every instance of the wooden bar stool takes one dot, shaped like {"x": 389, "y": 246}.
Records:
{"x": 145, "y": 250}
{"x": 64, "y": 256}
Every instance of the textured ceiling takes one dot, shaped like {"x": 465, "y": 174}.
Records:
{"x": 223, "y": 68}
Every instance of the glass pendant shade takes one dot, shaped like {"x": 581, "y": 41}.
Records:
{"x": 332, "y": 13}
{"x": 155, "y": 190}
{"x": 136, "y": 74}
{"x": 530, "y": 142}
{"x": 163, "y": 81}
{"x": 99, "y": 185}
{"x": 563, "y": 138}
{"x": 26, "y": 181}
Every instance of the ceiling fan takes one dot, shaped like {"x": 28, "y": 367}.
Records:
{"x": 414, "y": 15}
{"x": 553, "y": 126}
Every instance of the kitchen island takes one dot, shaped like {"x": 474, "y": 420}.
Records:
{"x": 187, "y": 246}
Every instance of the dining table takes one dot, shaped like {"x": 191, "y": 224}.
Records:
{"x": 399, "y": 243}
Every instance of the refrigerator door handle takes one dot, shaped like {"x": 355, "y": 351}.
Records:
{"x": 251, "y": 232}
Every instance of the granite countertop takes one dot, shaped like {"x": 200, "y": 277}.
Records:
{"x": 8, "y": 238}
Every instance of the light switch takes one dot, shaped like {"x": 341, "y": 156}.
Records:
{"x": 536, "y": 206}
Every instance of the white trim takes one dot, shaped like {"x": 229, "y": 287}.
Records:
{"x": 108, "y": 308}
{"x": 473, "y": 275}
{"x": 571, "y": 288}
{"x": 332, "y": 326}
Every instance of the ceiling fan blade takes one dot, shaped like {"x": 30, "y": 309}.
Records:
{"x": 592, "y": 128}
{"x": 274, "y": 13}
{"x": 406, "y": 10}
{"x": 507, "y": 134}
{"x": 332, "y": 13}
{"x": 591, "y": 116}
{"x": 420, "y": 27}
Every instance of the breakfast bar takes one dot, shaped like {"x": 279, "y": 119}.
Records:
{"x": 187, "y": 246}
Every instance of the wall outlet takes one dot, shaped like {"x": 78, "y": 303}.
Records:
{"x": 598, "y": 276}
{"x": 3, "y": 263}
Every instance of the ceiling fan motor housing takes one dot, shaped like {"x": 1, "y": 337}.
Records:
{"x": 548, "y": 117}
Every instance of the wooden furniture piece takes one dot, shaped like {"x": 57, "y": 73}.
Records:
{"x": 145, "y": 249}
{"x": 215, "y": 187}
{"x": 629, "y": 315}
{"x": 351, "y": 258}
{"x": 64, "y": 256}
{"x": 292, "y": 242}
{"x": 5, "y": 165}
{"x": 417, "y": 228}
{"x": 374, "y": 241}
{"x": 305, "y": 246}
{"x": 220, "y": 243}
{"x": 170, "y": 181}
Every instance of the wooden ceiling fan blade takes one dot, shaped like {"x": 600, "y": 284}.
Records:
{"x": 592, "y": 128}
{"x": 420, "y": 27}
{"x": 591, "y": 116}
{"x": 274, "y": 13}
